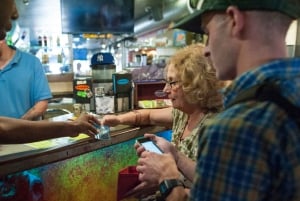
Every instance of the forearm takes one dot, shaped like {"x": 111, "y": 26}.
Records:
{"x": 135, "y": 117}
{"x": 36, "y": 111}
{"x": 178, "y": 193}
{"x": 131, "y": 118}
{"x": 159, "y": 117}
{"x": 23, "y": 131}
{"x": 185, "y": 165}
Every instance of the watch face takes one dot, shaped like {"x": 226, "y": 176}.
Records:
{"x": 163, "y": 188}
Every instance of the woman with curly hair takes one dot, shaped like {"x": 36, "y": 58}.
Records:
{"x": 194, "y": 91}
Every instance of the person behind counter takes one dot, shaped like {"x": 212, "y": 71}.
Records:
{"x": 193, "y": 88}
{"x": 16, "y": 131}
{"x": 24, "y": 81}
{"x": 25, "y": 87}
{"x": 251, "y": 150}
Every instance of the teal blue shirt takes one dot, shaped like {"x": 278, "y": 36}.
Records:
{"x": 23, "y": 83}
{"x": 251, "y": 151}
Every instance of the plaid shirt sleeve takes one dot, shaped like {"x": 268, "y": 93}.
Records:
{"x": 249, "y": 152}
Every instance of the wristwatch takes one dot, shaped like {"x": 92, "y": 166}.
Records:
{"x": 166, "y": 186}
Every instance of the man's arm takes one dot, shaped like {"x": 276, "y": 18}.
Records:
{"x": 14, "y": 131}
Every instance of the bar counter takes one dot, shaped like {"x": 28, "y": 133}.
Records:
{"x": 79, "y": 168}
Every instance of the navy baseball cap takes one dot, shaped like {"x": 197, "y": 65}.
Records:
{"x": 102, "y": 58}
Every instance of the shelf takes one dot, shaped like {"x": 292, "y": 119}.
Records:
{"x": 145, "y": 90}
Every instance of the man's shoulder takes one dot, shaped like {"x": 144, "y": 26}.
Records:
{"x": 23, "y": 57}
{"x": 27, "y": 55}
{"x": 250, "y": 115}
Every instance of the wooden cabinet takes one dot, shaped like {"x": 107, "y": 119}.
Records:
{"x": 148, "y": 90}
{"x": 61, "y": 84}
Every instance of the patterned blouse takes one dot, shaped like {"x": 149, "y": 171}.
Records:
{"x": 189, "y": 145}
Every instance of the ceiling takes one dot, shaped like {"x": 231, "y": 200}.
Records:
{"x": 43, "y": 17}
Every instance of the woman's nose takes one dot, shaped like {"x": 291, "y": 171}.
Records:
{"x": 166, "y": 89}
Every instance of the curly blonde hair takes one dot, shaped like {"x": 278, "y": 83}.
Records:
{"x": 198, "y": 77}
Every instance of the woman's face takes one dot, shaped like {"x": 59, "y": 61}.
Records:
{"x": 174, "y": 89}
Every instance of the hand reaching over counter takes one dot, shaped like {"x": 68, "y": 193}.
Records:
{"x": 14, "y": 131}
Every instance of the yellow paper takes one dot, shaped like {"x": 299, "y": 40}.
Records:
{"x": 80, "y": 136}
{"x": 43, "y": 144}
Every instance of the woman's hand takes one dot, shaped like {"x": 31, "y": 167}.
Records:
{"x": 110, "y": 120}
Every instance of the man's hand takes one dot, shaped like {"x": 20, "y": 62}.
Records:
{"x": 162, "y": 143}
{"x": 85, "y": 123}
{"x": 152, "y": 168}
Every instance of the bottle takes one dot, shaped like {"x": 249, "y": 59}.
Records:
{"x": 40, "y": 41}
{"x": 45, "y": 41}
{"x": 45, "y": 57}
{"x": 58, "y": 41}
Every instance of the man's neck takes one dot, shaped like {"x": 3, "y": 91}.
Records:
{"x": 6, "y": 54}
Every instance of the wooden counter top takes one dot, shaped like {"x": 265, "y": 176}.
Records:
{"x": 19, "y": 157}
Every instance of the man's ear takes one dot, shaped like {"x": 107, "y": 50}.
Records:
{"x": 237, "y": 20}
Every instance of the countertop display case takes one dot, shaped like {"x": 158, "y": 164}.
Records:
{"x": 65, "y": 169}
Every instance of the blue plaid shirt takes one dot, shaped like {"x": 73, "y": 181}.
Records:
{"x": 251, "y": 151}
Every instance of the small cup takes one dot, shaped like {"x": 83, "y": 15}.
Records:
{"x": 103, "y": 132}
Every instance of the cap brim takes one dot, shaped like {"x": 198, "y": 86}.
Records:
{"x": 191, "y": 23}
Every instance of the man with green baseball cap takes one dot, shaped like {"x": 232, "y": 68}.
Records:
{"x": 251, "y": 150}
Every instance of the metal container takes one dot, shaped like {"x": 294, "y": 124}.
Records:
{"x": 103, "y": 73}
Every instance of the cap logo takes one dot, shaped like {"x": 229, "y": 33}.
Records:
{"x": 191, "y": 5}
{"x": 100, "y": 57}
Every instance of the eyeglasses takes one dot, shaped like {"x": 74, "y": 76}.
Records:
{"x": 171, "y": 84}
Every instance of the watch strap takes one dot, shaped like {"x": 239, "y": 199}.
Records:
{"x": 166, "y": 186}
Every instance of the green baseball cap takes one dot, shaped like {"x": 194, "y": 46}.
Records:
{"x": 193, "y": 21}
